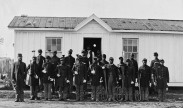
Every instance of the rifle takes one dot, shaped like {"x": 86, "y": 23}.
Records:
{"x": 139, "y": 87}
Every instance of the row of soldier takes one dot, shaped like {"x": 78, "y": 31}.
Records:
{"x": 124, "y": 82}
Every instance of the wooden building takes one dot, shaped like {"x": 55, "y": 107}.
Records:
{"x": 112, "y": 36}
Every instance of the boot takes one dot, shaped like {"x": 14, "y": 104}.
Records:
{"x": 17, "y": 98}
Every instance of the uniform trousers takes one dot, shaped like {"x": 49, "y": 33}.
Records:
{"x": 95, "y": 92}
{"x": 47, "y": 90}
{"x": 144, "y": 93}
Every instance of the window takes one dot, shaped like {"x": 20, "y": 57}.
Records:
{"x": 54, "y": 44}
{"x": 130, "y": 46}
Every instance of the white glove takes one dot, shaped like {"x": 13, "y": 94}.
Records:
{"x": 103, "y": 67}
{"x": 68, "y": 81}
{"x": 36, "y": 76}
{"x": 93, "y": 72}
{"x": 167, "y": 89}
{"x": 132, "y": 82}
{"x": 76, "y": 72}
{"x": 58, "y": 75}
{"x": 51, "y": 79}
{"x": 136, "y": 84}
{"x": 154, "y": 83}
{"x": 44, "y": 71}
{"x": 84, "y": 81}
{"x": 149, "y": 84}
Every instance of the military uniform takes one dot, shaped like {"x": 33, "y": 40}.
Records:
{"x": 96, "y": 76}
{"x": 18, "y": 77}
{"x": 34, "y": 81}
{"x": 69, "y": 61}
{"x": 47, "y": 78}
{"x": 55, "y": 61}
{"x": 129, "y": 82}
{"x": 40, "y": 61}
{"x": 63, "y": 80}
{"x": 112, "y": 76}
{"x": 144, "y": 78}
{"x": 80, "y": 72}
{"x": 162, "y": 80}
{"x": 122, "y": 67}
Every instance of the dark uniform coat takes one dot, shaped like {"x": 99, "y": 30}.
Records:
{"x": 55, "y": 61}
{"x": 135, "y": 66}
{"x": 162, "y": 77}
{"x": 48, "y": 67}
{"x": 19, "y": 73}
{"x": 34, "y": 70}
{"x": 144, "y": 75}
{"x": 40, "y": 61}
{"x": 85, "y": 60}
{"x": 129, "y": 76}
{"x": 153, "y": 61}
{"x": 122, "y": 68}
{"x": 98, "y": 74}
{"x": 112, "y": 70}
{"x": 63, "y": 71}
{"x": 69, "y": 61}
{"x": 82, "y": 73}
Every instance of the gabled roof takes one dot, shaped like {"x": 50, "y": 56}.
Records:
{"x": 110, "y": 24}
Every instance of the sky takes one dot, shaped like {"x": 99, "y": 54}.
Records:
{"x": 140, "y": 9}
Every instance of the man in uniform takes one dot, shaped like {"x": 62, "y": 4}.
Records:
{"x": 69, "y": 61}
{"x": 153, "y": 71}
{"x": 40, "y": 61}
{"x": 112, "y": 76}
{"x": 122, "y": 68}
{"x": 104, "y": 59}
{"x": 80, "y": 72}
{"x": 85, "y": 60}
{"x": 63, "y": 79}
{"x": 129, "y": 81}
{"x": 18, "y": 77}
{"x": 96, "y": 76}
{"x": 162, "y": 80}
{"x": 55, "y": 61}
{"x": 144, "y": 78}
{"x": 34, "y": 81}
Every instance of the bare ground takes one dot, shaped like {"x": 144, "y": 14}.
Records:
{"x": 9, "y": 103}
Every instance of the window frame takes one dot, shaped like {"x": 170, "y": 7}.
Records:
{"x": 46, "y": 51}
{"x": 127, "y": 45}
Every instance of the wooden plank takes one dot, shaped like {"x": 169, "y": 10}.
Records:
{"x": 55, "y": 22}
{"x": 61, "y": 22}
{"x": 36, "y": 21}
{"x": 23, "y": 22}
{"x": 12, "y": 23}
{"x": 42, "y": 23}
{"x": 30, "y": 20}
{"x": 49, "y": 23}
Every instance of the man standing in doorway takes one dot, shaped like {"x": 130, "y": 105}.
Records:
{"x": 18, "y": 78}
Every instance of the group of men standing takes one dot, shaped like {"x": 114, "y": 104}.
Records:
{"x": 51, "y": 74}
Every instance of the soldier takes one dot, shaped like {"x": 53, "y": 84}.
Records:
{"x": 90, "y": 54}
{"x": 153, "y": 87}
{"x": 63, "y": 79}
{"x": 112, "y": 76}
{"x": 34, "y": 79}
{"x": 104, "y": 59}
{"x": 96, "y": 77}
{"x": 85, "y": 60}
{"x": 162, "y": 80}
{"x": 47, "y": 78}
{"x": 55, "y": 61}
{"x": 80, "y": 72}
{"x": 144, "y": 78}
{"x": 69, "y": 61}
{"x": 129, "y": 81}
{"x": 122, "y": 68}
{"x": 40, "y": 61}
{"x": 18, "y": 77}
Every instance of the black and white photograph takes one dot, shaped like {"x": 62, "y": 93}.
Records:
{"x": 91, "y": 54}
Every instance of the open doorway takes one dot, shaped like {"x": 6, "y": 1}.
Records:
{"x": 93, "y": 43}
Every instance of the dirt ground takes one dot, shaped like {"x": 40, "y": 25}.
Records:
{"x": 9, "y": 103}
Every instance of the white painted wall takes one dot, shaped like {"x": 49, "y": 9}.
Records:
{"x": 167, "y": 45}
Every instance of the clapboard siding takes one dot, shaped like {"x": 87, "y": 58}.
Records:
{"x": 167, "y": 45}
